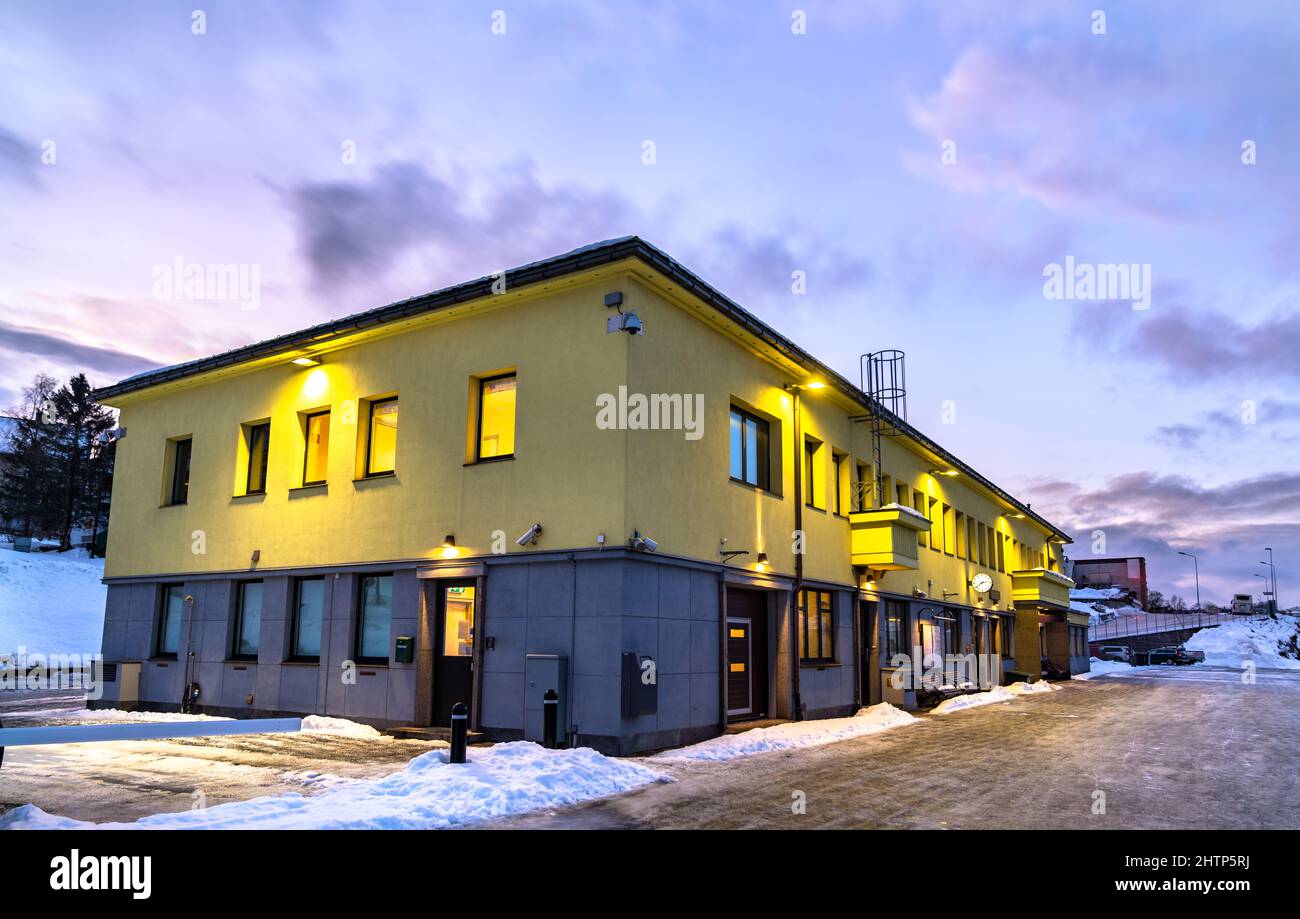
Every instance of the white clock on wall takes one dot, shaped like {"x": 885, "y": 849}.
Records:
{"x": 981, "y": 582}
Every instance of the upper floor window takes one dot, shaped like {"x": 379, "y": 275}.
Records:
{"x": 169, "y": 620}
{"x": 381, "y": 450}
{"x": 374, "y": 618}
{"x": 837, "y": 462}
{"x": 496, "y": 417}
{"x": 749, "y": 449}
{"x": 248, "y": 620}
{"x": 316, "y": 462}
{"x": 862, "y": 494}
{"x": 816, "y": 632}
{"x": 811, "y": 452}
{"x": 180, "y": 486}
{"x": 308, "y": 618}
{"x": 258, "y": 437}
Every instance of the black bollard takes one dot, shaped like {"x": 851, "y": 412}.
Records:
{"x": 459, "y": 727}
{"x": 550, "y": 714}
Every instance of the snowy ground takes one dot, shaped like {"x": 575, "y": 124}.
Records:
{"x": 1097, "y": 667}
{"x": 51, "y": 602}
{"x": 791, "y": 736}
{"x": 430, "y": 793}
{"x": 996, "y": 694}
{"x": 1263, "y": 642}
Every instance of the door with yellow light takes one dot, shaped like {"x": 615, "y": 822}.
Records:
{"x": 453, "y": 664}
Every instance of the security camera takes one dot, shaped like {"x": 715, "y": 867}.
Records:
{"x": 530, "y": 537}
{"x": 642, "y": 543}
{"x": 632, "y": 324}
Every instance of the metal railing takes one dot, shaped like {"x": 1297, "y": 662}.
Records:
{"x": 1127, "y": 626}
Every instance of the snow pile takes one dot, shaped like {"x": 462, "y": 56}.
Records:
{"x": 51, "y": 602}
{"x": 791, "y": 736}
{"x": 1098, "y": 667}
{"x": 1264, "y": 642}
{"x": 320, "y": 724}
{"x": 429, "y": 793}
{"x": 1097, "y": 593}
{"x": 996, "y": 694}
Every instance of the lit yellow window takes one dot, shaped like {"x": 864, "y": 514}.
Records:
{"x": 381, "y": 458}
{"x": 318, "y": 448}
{"x": 496, "y": 417}
{"x": 458, "y": 622}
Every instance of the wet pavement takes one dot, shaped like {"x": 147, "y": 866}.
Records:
{"x": 1168, "y": 748}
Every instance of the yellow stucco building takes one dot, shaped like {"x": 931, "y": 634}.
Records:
{"x": 583, "y": 472}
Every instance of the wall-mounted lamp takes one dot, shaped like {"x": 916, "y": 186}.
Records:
{"x": 306, "y": 361}
{"x": 449, "y": 549}
{"x": 761, "y": 564}
{"x": 947, "y": 472}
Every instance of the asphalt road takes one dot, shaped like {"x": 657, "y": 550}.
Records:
{"x": 1166, "y": 748}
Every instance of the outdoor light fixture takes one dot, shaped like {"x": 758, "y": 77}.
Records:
{"x": 449, "y": 549}
{"x": 306, "y": 361}
{"x": 1016, "y": 516}
{"x": 947, "y": 472}
{"x": 762, "y": 561}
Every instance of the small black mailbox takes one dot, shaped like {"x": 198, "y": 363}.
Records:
{"x": 404, "y": 652}
{"x": 640, "y": 684}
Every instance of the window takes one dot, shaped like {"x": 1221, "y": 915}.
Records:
{"x": 248, "y": 620}
{"x": 995, "y": 646}
{"x": 1009, "y": 637}
{"x": 180, "y": 492}
{"x": 811, "y": 449}
{"x": 949, "y": 531}
{"x": 458, "y": 622}
{"x": 816, "y": 632}
{"x": 936, "y": 525}
{"x": 749, "y": 449}
{"x": 860, "y": 502}
{"x": 902, "y": 494}
{"x": 375, "y": 615}
{"x": 496, "y": 418}
{"x": 962, "y": 546}
{"x": 381, "y": 452}
{"x": 837, "y": 460}
{"x": 308, "y": 618}
{"x": 918, "y": 503}
{"x": 169, "y": 619}
{"x": 895, "y": 628}
{"x": 972, "y": 540}
{"x": 1002, "y": 551}
{"x": 315, "y": 465}
{"x": 258, "y": 437}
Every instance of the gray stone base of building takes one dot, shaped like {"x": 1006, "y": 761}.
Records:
{"x": 588, "y": 607}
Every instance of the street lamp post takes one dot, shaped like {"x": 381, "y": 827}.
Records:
{"x": 1273, "y": 570}
{"x": 1196, "y": 569}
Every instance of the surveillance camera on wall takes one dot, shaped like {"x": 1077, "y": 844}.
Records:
{"x": 530, "y": 537}
{"x": 642, "y": 543}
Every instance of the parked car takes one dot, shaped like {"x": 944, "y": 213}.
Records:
{"x": 1175, "y": 654}
{"x": 1107, "y": 615}
{"x": 1122, "y": 653}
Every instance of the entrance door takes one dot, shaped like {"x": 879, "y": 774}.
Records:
{"x": 746, "y": 654}
{"x": 453, "y": 658}
{"x": 868, "y": 670}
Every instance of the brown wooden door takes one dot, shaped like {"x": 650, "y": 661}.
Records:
{"x": 747, "y": 675}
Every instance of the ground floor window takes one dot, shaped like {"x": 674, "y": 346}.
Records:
{"x": 816, "y": 632}
{"x": 169, "y": 620}
{"x": 375, "y": 617}
{"x": 895, "y": 629}
{"x": 308, "y": 618}
{"x": 248, "y": 621}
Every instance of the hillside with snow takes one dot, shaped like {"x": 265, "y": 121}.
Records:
{"x": 51, "y": 602}
{"x": 1264, "y": 642}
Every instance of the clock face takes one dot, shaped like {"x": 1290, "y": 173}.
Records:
{"x": 981, "y": 583}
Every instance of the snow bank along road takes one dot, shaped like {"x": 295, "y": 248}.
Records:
{"x": 1172, "y": 747}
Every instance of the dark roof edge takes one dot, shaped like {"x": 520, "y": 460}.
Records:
{"x": 602, "y": 253}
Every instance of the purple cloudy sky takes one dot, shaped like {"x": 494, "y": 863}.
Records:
{"x": 774, "y": 152}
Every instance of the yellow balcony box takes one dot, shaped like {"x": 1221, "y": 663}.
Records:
{"x": 884, "y": 538}
{"x": 1040, "y": 587}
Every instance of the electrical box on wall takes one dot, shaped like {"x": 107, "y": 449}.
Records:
{"x": 640, "y": 685}
{"x": 404, "y": 649}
